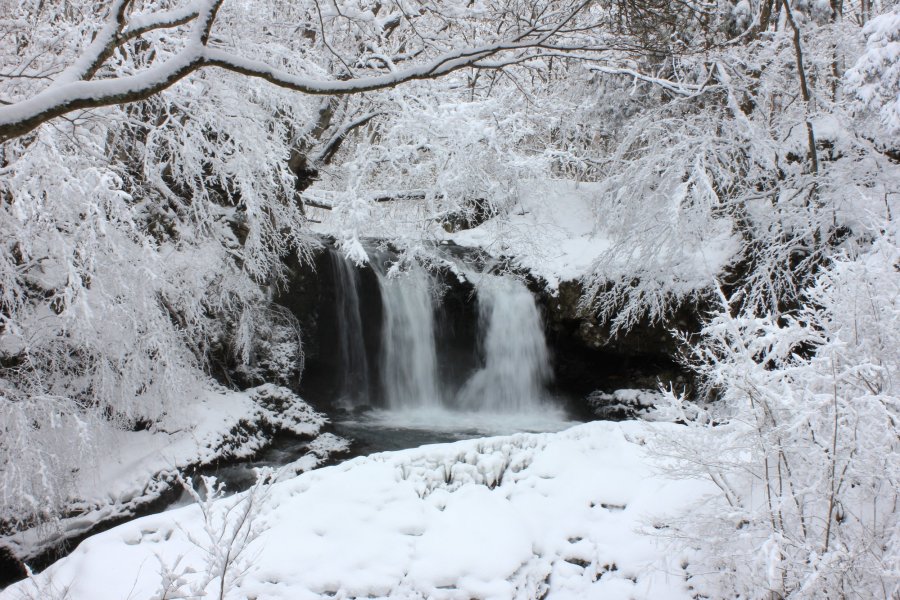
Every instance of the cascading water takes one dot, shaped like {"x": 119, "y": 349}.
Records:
{"x": 408, "y": 352}
{"x": 516, "y": 360}
{"x": 506, "y": 371}
{"x": 354, "y": 379}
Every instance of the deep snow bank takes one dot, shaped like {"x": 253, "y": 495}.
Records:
{"x": 565, "y": 514}
{"x": 136, "y": 467}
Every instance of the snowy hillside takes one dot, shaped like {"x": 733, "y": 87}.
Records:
{"x": 133, "y": 468}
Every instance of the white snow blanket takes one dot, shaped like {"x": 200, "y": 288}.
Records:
{"x": 575, "y": 514}
{"x": 136, "y": 467}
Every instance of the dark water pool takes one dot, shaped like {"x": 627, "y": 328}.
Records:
{"x": 384, "y": 430}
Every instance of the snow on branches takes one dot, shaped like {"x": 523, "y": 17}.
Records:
{"x": 426, "y": 56}
{"x": 801, "y": 439}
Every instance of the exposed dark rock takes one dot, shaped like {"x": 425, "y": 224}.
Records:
{"x": 587, "y": 357}
{"x": 11, "y": 568}
{"x": 474, "y": 213}
{"x": 621, "y": 405}
{"x": 457, "y": 329}
{"x": 313, "y": 297}
{"x": 302, "y": 297}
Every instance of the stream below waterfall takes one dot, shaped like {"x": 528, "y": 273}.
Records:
{"x": 380, "y": 430}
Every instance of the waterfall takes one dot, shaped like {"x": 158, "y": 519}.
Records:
{"x": 516, "y": 360}
{"x": 354, "y": 376}
{"x": 408, "y": 353}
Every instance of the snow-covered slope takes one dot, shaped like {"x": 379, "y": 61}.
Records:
{"x": 565, "y": 515}
{"x": 134, "y": 468}
{"x": 556, "y": 232}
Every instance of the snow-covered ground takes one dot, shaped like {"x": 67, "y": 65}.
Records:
{"x": 554, "y": 515}
{"x": 137, "y": 467}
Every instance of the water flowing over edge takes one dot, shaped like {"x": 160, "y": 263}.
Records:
{"x": 514, "y": 363}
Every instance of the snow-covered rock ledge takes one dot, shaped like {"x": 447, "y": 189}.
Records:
{"x": 566, "y": 515}
{"x": 136, "y": 468}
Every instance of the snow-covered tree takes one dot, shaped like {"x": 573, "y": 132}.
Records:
{"x": 801, "y": 440}
{"x": 742, "y": 141}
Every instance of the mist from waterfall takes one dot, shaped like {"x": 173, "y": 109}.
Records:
{"x": 516, "y": 367}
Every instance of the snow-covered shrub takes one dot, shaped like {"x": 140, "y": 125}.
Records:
{"x": 131, "y": 239}
{"x": 802, "y": 439}
{"x": 44, "y": 440}
{"x": 439, "y": 158}
{"x": 875, "y": 78}
{"x": 268, "y": 344}
{"x": 720, "y": 170}
{"x": 230, "y": 526}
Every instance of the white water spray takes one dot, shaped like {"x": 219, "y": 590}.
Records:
{"x": 408, "y": 353}
{"x": 354, "y": 384}
{"x": 516, "y": 360}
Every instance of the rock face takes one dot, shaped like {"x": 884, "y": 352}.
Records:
{"x": 588, "y": 358}
{"x": 313, "y": 295}
{"x": 303, "y": 297}
{"x": 623, "y": 404}
{"x": 11, "y": 568}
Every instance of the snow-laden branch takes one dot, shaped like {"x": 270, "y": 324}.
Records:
{"x": 75, "y": 90}
{"x": 116, "y": 32}
{"x": 22, "y": 117}
{"x": 676, "y": 87}
{"x": 334, "y": 143}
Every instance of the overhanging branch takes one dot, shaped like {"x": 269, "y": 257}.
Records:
{"x": 75, "y": 90}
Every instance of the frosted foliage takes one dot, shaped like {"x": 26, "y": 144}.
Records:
{"x": 77, "y": 301}
{"x": 517, "y": 363}
{"x": 131, "y": 241}
{"x": 803, "y": 441}
{"x": 724, "y": 163}
{"x": 875, "y": 78}
{"x": 34, "y": 483}
{"x": 455, "y": 149}
{"x": 268, "y": 344}
{"x": 96, "y": 311}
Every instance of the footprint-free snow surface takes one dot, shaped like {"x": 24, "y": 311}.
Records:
{"x": 575, "y": 514}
